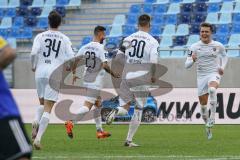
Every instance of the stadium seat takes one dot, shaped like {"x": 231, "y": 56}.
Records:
{"x": 18, "y": 21}
{"x": 175, "y": 1}
{"x": 185, "y": 18}
{"x": 182, "y": 30}
{"x": 27, "y": 33}
{"x": 22, "y": 11}
{"x": 162, "y": 2}
{"x": 235, "y": 28}
{"x": 115, "y": 40}
{"x": 188, "y": 1}
{"x": 36, "y": 11}
{"x": 62, "y": 2}
{"x": 149, "y": 1}
{"x": 174, "y": 8}
{"x": 237, "y": 7}
{"x": 25, "y": 2}
{"x": 214, "y": 1}
{"x": 178, "y": 52}
{"x": 155, "y": 30}
{"x": 169, "y": 30}
{"x": 4, "y": 3}
{"x": 166, "y": 41}
{"x": 234, "y": 40}
{"x": 223, "y": 38}
{"x": 147, "y": 8}
{"x": 31, "y": 21}
{"x": 128, "y": 29}
{"x": 61, "y": 10}
{"x": 37, "y": 3}
{"x": 6, "y": 22}
{"x": 227, "y": 7}
{"x": 192, "y": 39}
{"x": 200, "y": 7}
{"x": 194, "y": 29}
{"x": 15, "y": 32}
{"x": 116, "y": 31}
{"x": 46, "y": 10}
{"x": 223, "y": 29}
{"x": 42, "y": 23}
{"x": 10, "y": 12}
{"x": 50, "y": 3}
{"x": 186, "y": 8}
{"x": 74, "y": 3}
{"x": 171, "y": 19}
{"x": 180, "y": 41}
{"x": 132, "y": 19}
{"x": 201, "y": 1}
{"x": 119, "y": 19}
{"x": 225, "y": 18}
{"x": 13, "y": 3}
{"x": 135, "y": 9}
{"x": 12, "y": 42}
{"x": 212, "y": 18}
{"x": 4, "y": 32}
{"x": 213, "y": 7}
{"x": 1, "y": 13}
{"x": 86, "y": 40}
{"x": 158, "y": 19}
{"x": 198, "y": 18}
{"x": 236, "y": 18}
{"x": 160, "y": 8}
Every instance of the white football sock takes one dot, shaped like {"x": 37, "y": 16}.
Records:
{"x": 98, "y": 119}
{"x": 213, "y": 101}
{"x": 43, "y": 125}
{"x": 204, "y": 113}
{"x": 134, "y": 124}
{"x": 121, "y": 111}
{"x": 38, "y": 114}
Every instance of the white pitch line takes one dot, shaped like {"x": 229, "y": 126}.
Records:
{"x": 141, "y": 157}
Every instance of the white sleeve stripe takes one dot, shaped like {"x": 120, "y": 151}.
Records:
{"x": 17, "y": 131}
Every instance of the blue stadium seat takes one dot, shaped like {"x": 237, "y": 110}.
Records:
{"x": 234, "y": 40}
{"x": 174, "y": 8}
{"x": 31, "y": 21}
{"x": 198, "y": 18}
{"x": 158, "y": 19}
{"x": 13, "y": 3}
{"x": 188, "y": 1}
{"x": 27, "y": 33}
{"x": 26, "y": 2}
{"x": 182, "y": 30}
{"x": 62, "y": 2}
{"x": 149, "y": 1}
{"x": 236, "y": 17}
{"x": 51, "y": 3}
{"x": 169, "y": 30}
{"x": 227, "y": 7}
{"x": 178, "y": 52}
{"x": 180, "y": 41}
{"x": 42, "y": 23}
{"x": 194, "y": 29}
{"x": 15, "y": 32}
{"x": 116, "y": 31}
{"x": 192, "y": 39}
{"x": 46, "y": 10}
{"x": 186, "y": 8}
{"x": 147, "y": 8}
{"x": 6, "y": 22}
{"x": 223, "y": 29}
{"x": 175, "y": 1}
{"x": 1, "y": 12}
{"x": 22, "y": 11}
{"x": 115, "y": 40}
{"x": 200, "y": 7}
{"x": 18, "y": 21}
{"x": 132, "y": 19}
{"x": 4, "y": 32}
{"x": 201, "y": 1}
{"x": 212, "y": 18}
{"x": 61, "y": 10}
{"x": 162, "y": 2}
{"x": 37, "y": 3}
{"x": 119, "y": 19}
{"x": 10, "y": 12}
{"x": 184, "y": 18}
{"x": 235, "y": 28}
{"x": 128, "y": 29}
{"x": 237, "y": 7}
{"x": 166, "y": 41}
{"x": 171, "y": 19}
{"x": 74, "y": 3}
{"x": 36, "y": 11}
{"x": 155, "y": 30}
{"x": 4, "y": 3}
{"x": 160, "y": 8}
{"x": 86, "y": 40}
{"x": 223, "y": 38}
{"x": 225, "y": 18}
{"x": 213, "y": 7}
{"x": 135, "y": 9}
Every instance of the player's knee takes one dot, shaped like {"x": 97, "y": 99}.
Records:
{"x": 212, "y": 91}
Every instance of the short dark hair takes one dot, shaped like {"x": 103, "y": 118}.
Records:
{"x": 54, "y": 19}
{"x": 205, "y": 24}
{"x": 144, "y": 20}
{"x": 99, "y": 29}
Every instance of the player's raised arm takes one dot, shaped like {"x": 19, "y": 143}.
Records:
{"x": 223, "y": 60}
{"x": 7, "y": 54}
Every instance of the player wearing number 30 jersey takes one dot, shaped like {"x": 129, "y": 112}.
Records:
{"x": 50, "y": 50}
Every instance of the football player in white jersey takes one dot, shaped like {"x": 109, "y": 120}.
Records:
{"x": 143, "y": 54}
{"x": 211, "y": 59}
{"x": 50, "y": 50}
{"x": 96, "y": 65}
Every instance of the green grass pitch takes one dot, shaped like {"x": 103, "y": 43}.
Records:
{"x": 158, "y": 142}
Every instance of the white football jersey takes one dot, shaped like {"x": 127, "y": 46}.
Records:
{"x": 52, "y": 48}
{"x": 144, "y": 50}
{"x": 209, "y": 56}
{"x": 94, "y": 55}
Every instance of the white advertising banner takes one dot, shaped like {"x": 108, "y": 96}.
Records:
{"x": 180, "y": 106}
